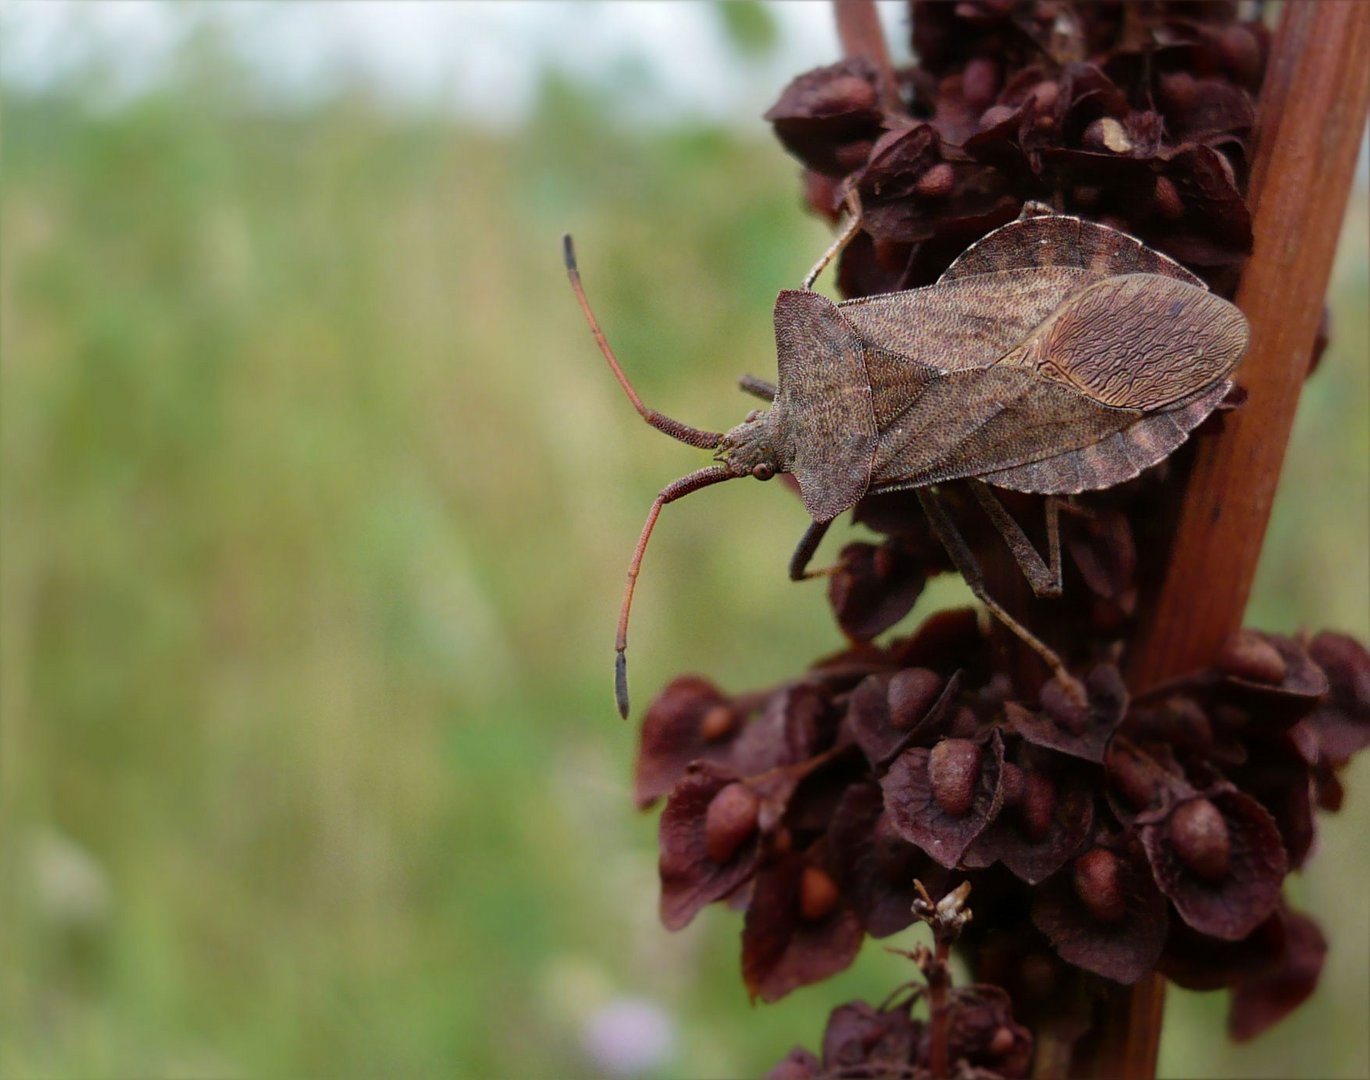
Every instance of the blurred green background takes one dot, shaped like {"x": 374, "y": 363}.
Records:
{"x": 316, "y": 504}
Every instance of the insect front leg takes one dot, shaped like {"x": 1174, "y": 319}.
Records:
{"x": 1044, "y": 577}
{"x": 853, "y": 226}
{"x": 969, "y": 568}
{"x": 803, "y": 554}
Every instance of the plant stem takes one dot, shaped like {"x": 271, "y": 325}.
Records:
{"x": 1308, "y": 128}
{"x": 939, "y": 976}
{"x": 859, "y": 30}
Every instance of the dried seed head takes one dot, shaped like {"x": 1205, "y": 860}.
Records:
{"x": 1167, "y": 198}
{"x": 1039, "y": 806}
{"x": 1098, "y": 884}
{"x": 953, "y": 772}
{"x": 817, "y": 894}
{"x": 729, "y": 821}
{"x": 996, "y": 114}
{"x": 1014, "y": 782}
{"x": 911, "y": 693}
{"x": 1200, "y": 836}
{"x": 980, "y": 81}
{"x": 845, "y": 93}
{"x": 717, "y": 723}
{"x": 1247, "y": 655}
{"x": 1241, "y": 52}
{"x": 937, "y": 182}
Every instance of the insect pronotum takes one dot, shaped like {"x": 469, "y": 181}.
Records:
{"x": 1054, "y": 356}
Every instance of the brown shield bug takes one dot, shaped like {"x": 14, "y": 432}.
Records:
{"x": 1054, "y": 356}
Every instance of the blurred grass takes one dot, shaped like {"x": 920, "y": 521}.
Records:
{"x": 316, "y": 506}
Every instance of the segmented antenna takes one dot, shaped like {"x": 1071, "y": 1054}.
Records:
{"x": 705, "y": 440}
{"x": 678, "y": 489}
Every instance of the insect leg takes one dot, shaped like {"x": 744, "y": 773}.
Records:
{"x": 808, "y": 544}
{"x": 1044, "y": 578}
{"x": 969, "y": 567}
{"x": 853, "y": 226}
{"x": 705, "y": 440}
{"x": 677, "y": 489}
{"x": 750, "y": 384}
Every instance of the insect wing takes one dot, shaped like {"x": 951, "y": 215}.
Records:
{"x": 1138, "y": 341}
{"x": 970, "y": 423}
{"x": 969, "y": 323}
{"x": 1063, "y": 241}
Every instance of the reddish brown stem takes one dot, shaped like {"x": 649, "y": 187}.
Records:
{"x": 859, "y": 30}
{"x": 1308, "y": 130}
{"x": 1309, "y": 125}
{"x": 939, "y": 977}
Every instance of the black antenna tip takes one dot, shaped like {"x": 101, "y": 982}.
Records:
{"x": 568, "y": 252}
{"x": 621, "y": 680}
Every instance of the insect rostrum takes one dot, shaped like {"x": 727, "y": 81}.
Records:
{"x": 1054, "y": 356}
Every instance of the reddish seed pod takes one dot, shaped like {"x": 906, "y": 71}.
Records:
{"x": 1039, "y": 806}
{"x": 817, "y": 894}
{"x": 1241, "y": 52}
{"x": 1181, "y": 90}
{"x": 910, "y": 695}
{"x": 1013, "y": 783}
{"x": 853, "y": 155}
{"x": 937, "y": 182}
{"x": 1246, "y": 655}
{"x": 953, "y": 773}
{"x": 1132, "y": 774}
{"x": 729, "y": 821}
{"x": 846, "y": 93}
{"x": 1098, "y": 884}
{"x": 995, "y": 114}
{"x": 980, "y": 81}
{"x": 1167, "y": 198}
{"x": 1045, "y": 94}
{"x": 1199, "y": 833}
{"x": 718, "y": 722}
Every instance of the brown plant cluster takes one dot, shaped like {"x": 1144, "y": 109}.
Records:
{"x": 1135, "y": 115}
{"x": 1105, "y": 840}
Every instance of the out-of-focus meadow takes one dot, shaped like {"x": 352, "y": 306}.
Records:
{"x": 316, "y": 505}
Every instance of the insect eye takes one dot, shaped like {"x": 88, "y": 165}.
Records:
{"x": 763, "y": 471}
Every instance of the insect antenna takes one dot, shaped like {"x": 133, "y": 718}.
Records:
{"x": 677, "y": 489}
{"x": 705, "y": 440}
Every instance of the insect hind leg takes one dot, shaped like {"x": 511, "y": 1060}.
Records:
{"x": 1044, "y": 577}
{"x": 969, "y": 567}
